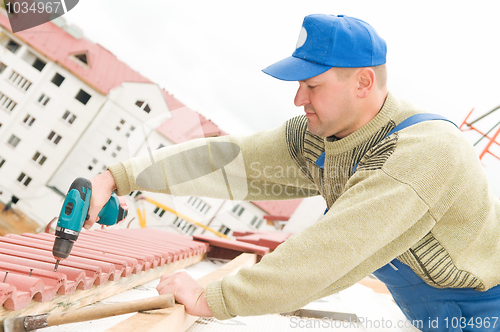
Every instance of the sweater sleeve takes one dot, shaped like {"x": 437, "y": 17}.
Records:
{"x": 374, "y": 221}
{"x": 256, "y": 167}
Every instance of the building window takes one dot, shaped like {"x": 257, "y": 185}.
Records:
{"x": 143, "y": 106}
{"x": 7, "y": 103}
{"x": 238, "y": 212}
{"x": 256, "y": 222}
{"x": 69, "y": 117}
{"x": 198, "y": 204}
{"x": 224, "y": 230}
{"x": 135, "y": 193}
{"x": 39, "y": 64}
{"x": 190, "y": 230}
{"x": 2, "y": 161}
{"x": 83, "y": 97}
{"x": 184, "y": 226}
{"x": 39, "y": 158}
{"x": 179, "y": 222}
{"x": 43, "y": 99}
{"x": 19, "y": 81}
{"x": 14, "y": 140}
{"x": 29, "y": 120}
{"x": 159, "y": 212}
{"x": 82, "y": 57}
{"x": 24, "y": 179}
{"x": 54, "y": 138}
{"x": 12, "y": 46}
{"x": 58, "y": 79}
{"x": 94, "y": 162}
{"x": 3, "y": 66}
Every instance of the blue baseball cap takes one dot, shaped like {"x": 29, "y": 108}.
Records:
{"x": 327, "y": 41}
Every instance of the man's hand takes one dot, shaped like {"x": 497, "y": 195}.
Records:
{"x": 102, "y": 187}
{"x": 187, "y": 292}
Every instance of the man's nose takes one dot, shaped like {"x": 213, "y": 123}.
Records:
{"x": 301, "y": 97}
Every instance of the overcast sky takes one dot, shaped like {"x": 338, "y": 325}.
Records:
{"x": 442, "y": 55}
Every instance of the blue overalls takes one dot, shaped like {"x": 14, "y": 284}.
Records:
{"x": 434, "y": 309}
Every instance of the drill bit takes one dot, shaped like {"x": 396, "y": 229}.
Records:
{"x": 57, "y": 265}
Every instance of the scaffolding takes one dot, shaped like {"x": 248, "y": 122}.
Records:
{"x": 491, "y": 135}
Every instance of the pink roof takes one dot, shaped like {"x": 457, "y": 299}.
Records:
{"x": 279, "y": 208}
{"x": 172, "y": 103}
{"x": 104, "y": 71}
{"x": 185, "y": 123}
{"x": 98, "y": 257}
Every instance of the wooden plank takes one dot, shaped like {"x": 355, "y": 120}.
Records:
{"x": 176, "y": 319}
{"x": 81, "y": 298}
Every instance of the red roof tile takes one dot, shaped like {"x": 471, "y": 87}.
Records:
{"x": 270, "y": 240}
{"x": 98, "y": 256}
{"x": 229, "y": 249}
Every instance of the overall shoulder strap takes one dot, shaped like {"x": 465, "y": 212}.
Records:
{"x": 417, "y": 118}
{"x": 414, "y": 119}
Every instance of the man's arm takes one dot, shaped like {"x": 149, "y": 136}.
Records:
{"x": 255, "y": 167}
{"x": 374, "y": 221}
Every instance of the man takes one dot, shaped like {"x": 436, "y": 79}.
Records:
{"x": 412, "y": 206}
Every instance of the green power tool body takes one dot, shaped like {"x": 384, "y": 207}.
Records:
{"x": 74, "y": 212}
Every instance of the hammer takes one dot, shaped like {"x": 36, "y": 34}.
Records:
{"x": 30, "y": 323}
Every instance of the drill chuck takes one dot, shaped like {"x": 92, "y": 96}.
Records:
{"x": 62, "y": 248}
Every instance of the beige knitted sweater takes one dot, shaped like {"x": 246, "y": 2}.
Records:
{"x": 420, "y": 195}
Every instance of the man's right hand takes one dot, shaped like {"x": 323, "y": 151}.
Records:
{"x": 103, "y": 186}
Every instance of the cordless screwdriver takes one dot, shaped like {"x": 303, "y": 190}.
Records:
{"x": 74, "y": 212}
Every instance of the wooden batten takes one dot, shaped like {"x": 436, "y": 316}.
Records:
{"x": 175, "y": 318}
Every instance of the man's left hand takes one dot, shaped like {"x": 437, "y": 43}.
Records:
{"x": 186, "y": 291}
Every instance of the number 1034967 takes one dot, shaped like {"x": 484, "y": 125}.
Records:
{"x": 32, "y": 7}
{"x": 477, "y": 322}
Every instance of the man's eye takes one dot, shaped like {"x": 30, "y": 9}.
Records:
{"x": 311, "y": 86}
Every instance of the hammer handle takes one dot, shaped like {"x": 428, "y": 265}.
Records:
{"x": 108, "y": 310}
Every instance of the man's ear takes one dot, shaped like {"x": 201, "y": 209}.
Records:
{"x": 366, "y": 81}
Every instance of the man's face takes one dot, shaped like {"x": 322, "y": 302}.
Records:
{"x": 329, "y": 103}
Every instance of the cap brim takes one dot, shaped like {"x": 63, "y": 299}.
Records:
{"x": 295, "y": 69}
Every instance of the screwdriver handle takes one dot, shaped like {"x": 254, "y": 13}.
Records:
{"x": 108, "y": 310}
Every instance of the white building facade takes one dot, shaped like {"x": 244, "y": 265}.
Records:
{"x": 58, "y": 121}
